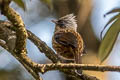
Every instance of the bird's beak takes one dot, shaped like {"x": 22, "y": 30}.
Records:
{"x": 54, "y": 21}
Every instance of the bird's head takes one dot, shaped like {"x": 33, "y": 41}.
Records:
{"x": 66, "y": 22}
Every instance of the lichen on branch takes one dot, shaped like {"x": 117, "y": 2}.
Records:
{"x": 16, "y": 24}
{"x": 19, "y": 51}
{"x": 21, "y": 32}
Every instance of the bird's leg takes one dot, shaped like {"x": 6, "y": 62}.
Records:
{"x": 64, "y": 60}
{"x": 78, "y": 60}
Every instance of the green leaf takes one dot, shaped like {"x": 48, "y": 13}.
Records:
{"x": 20, "y": 3}
{"x": 109, "y": 40}
{"x": 48, "y": 3}
{"x": 111, "y": 20}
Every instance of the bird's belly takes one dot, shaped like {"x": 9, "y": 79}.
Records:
{"x": 67, "y": 54}
{"x": 64, "y": 51}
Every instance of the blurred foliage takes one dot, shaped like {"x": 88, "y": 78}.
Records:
{"x": 14, "y": 74}
{"x": 48, "y": 3}
{"x": 110, "y": 37}
{"x": 82, "y": 9}
{"x": 20, "y": 3}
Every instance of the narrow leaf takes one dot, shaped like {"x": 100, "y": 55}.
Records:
{"x": 109, "y": 40}
{"x": 20, "y": 3}
{"x": 112, "y": 11}
{"x": 111, "y": 20}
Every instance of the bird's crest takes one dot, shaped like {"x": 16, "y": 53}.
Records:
{"x": 69, "y": 17}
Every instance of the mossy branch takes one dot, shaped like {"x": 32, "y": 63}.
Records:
{"x": 19, "y": 51}
{"x": 45, "y": 49}
{"x": 16, "y": 24}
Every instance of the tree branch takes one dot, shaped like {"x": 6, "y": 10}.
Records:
{"x": 6, "y": 44}
{"x": 42, "y": 46}
{"x": 46, "y": 67}
{"x": 19, "y": 51}
{"x": 3, "y": 44}
{"x": 47, "y": 51}
{"x": 18, "y": 23}
{"x": 62, "y": 67}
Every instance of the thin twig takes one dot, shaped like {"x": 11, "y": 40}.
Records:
{"x": 3, "y": 44}
{"x": 42, "y": 46}
{"x": 92, "y": 67}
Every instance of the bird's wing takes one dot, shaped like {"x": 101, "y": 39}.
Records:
{"x": 66, "y": 39}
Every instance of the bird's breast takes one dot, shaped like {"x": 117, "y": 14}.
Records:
{"x": 66, "y": 51}
{"x": 62, "y": 50}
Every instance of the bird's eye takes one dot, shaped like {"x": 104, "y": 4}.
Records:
{"x": 61, "y": 23}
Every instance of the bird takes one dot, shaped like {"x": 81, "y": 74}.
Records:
{"x": 66, "y": 41}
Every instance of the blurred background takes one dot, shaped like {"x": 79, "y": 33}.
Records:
{"x": 37, "y": 18}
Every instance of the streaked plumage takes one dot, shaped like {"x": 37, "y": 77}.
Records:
{"x": 66, "y": 41}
